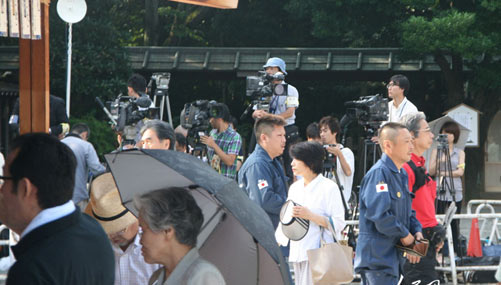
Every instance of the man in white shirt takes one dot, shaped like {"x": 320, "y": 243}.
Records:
{"x": 122, "y": 229}
{"x": 398, "y": 88}
{"x": 345, "y": 160}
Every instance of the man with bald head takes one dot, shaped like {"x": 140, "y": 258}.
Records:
{"x": 386, "y": 216}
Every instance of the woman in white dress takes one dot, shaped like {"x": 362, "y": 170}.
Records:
{"x": 318, "y": 198}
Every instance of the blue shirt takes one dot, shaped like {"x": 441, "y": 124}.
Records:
{"x": 265, "y": 183}
{"x": 386, "y": 216}
{"x": 86, "y": 160}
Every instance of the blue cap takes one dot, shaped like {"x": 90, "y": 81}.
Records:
{"x": 276, "y": 62}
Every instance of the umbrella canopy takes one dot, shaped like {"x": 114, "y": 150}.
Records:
{"x": 236, "y": 236}
{"x": 435, "y": 127}
{"x": 437, "y": 124}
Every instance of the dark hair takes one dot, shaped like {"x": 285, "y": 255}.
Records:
{"x": 163, "y": 131}
{"x": 181, "y": 139}
{"x": 313, "y": 131}
{"x": 233, "y": 121}
{"x": 311, "y": 154}
{"x": 265, "y": 125}
{"x": 80, "y": 128}
{"x": 172, "y": 207}
{"x": 137, "y": 82}
{"x": 389, "y": 131}
{"x": 48, "y": 164}
{"x": 451, "y": 128}
{"x": 402, "y": 82}
{"x": 220, "y": 110}
{"x": 332, "y": 123}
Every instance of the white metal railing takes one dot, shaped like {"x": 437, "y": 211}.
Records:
{"x": 488, "y": 205}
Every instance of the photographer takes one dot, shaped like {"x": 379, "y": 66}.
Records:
{"x": 223, "y": 142}
{"x": 283, "y": 106}
{"x": 345, "y": 160}
{"x": 136, "y": 88}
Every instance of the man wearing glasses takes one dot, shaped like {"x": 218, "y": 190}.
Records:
{"x": 399, "y": 106}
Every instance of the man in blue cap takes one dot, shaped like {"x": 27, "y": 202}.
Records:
{"x": 283, "y": 106}
{"x": 386, "y": 216}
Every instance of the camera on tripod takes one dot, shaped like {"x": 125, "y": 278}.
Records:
{"x": 329, "y": 160}
{"x": 261, "y": 88}
{"x": 195, "y": 117}
{"x": 159, "y": 82}
{"x": 443, "y": 141}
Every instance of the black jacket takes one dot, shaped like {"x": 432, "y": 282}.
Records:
{"x": 71, "y": 250}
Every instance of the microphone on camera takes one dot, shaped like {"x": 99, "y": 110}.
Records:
{"x": 143, "y": 102}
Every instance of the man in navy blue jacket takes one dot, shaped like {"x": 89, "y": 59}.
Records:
{"x": 386, "y": 215}
{"x": 59, "y": 244}
{"x": 262, "y": 173}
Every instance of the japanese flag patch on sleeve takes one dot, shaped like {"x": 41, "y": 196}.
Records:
{"x": 262, "y": 183}
{"x": 381, "y": 187}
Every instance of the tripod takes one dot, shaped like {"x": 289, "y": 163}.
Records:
{"x": 350, "y": 211}
{"x": 445, "y": 188}
{"x": 371, "y": 150}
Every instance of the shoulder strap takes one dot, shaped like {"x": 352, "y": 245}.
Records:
{"x": 420, "y": 176}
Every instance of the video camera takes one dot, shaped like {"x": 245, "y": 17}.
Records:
{"x": 125, "y": 112}
{"x": 370, "y": 111}
{"x": 330, "y": 158}
{"x": 195, "y": 117}
{"x": 443, "y": 142}
{"x": 159, "y": 84}
{"x": 261, "y": 88}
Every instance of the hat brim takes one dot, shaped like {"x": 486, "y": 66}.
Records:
{"x": 114, "y": 226}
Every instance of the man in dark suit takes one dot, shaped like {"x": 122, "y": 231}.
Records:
{"x": 59, "y": 244}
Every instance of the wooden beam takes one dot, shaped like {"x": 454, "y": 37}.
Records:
{"x": 34, "y": 80}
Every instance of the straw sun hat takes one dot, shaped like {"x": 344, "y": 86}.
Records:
{"x": 105, "y": 205}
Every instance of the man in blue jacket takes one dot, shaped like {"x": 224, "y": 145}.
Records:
{"x": 386, "y": 216}
{"x": 262, "y": 173}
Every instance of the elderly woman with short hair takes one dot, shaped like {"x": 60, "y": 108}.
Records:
{"x": 171, "y": 221}
{"x": 318, "y": 199}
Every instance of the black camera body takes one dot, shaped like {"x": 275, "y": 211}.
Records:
{"x": 330, "y": 158}
{"x": 195, "y": 117}
{"x": 443, "y": 142}
{"x": 127, "y": 111}
{"x": 369, "y": 110}
{"x": 261, "y": 89}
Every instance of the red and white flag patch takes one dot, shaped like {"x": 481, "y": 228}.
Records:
{"x": 381, "y": 187}
{"x": 262, "y": 183}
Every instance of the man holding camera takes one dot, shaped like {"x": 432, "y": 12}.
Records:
{"x": 345, "y": 160}
{"x": 136, "y": 88}
{"x": 425, "y": 191}
{"x": 223, "y": 142}
{"x": 283, "y": 106}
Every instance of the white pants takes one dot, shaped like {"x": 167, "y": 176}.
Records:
{"x": 302, "y": 273}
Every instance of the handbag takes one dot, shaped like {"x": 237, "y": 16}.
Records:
{"x": 332, "y": 262}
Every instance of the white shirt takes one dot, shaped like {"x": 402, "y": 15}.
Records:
{"x": 346, "y": 181}
{"x": 49, "y": 215}
{"x": 130, "y": 267}
{"x": 405, "y": 107}
{"x": 279, "y": 104}
{"x": 322, "y": 197}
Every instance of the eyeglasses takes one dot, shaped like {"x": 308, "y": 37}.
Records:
{"x": 426, "y": 130}
{"x": 391, "y": 84}
{"x": 2, "y": 178}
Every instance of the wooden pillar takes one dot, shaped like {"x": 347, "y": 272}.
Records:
{"x": 34, "y": 79}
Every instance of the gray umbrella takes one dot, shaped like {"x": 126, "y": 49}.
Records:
{"x": 237, "y": 235}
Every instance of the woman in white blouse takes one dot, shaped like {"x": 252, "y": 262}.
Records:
{"x": 319, "y": 198}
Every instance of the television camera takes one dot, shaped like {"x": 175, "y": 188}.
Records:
{"x": 125, "y": 112}
{"x": 370, "y": 111}
{"x": 195, "y": 117}
{"x": 261, "y": 89}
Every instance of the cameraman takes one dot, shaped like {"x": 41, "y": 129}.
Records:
{"x": 136, "y": 88}
{"x": 223, "y": 142}
{"x": 345, "y": 160}
{"x": 283, "y": 106}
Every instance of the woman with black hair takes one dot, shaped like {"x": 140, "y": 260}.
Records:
{"x": 317, "y": 199}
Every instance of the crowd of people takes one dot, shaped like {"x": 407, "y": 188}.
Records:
{"x": 44, "y": 190}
